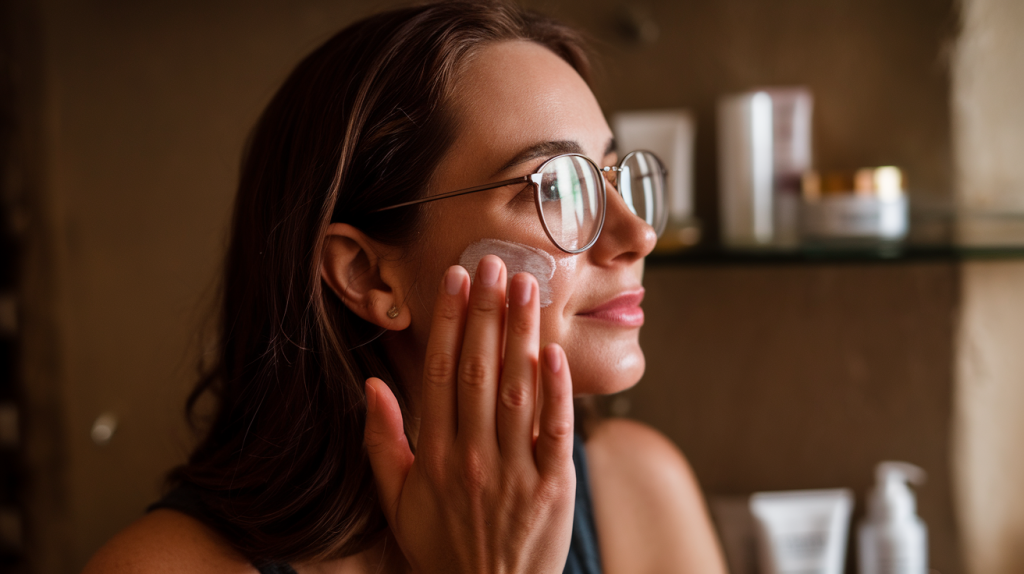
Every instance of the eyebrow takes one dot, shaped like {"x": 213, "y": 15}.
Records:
{"x": 550, "y": 149}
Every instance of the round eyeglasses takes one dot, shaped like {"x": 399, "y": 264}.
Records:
{"x": 570, "y": 193}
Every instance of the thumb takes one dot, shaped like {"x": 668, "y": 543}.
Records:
{"x": 386, "y": 444}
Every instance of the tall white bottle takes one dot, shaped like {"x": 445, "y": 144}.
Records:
{"x": 892, "y": 539}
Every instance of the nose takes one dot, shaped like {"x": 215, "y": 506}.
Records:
{"x": 625, "y": 237}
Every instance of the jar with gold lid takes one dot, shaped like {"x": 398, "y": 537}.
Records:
{"x": 855, "y": 207}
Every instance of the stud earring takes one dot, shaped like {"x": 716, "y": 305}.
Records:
{"x": 393, "y": 312}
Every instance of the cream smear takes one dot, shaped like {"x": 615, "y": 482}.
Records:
{"x": 518, "y": 258}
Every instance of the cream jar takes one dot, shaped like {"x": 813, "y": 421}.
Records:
{"x": 856, "y": 207}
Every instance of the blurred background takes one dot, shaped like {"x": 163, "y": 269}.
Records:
{"x": 121, "y": 129}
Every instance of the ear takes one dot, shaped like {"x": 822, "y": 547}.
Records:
{"x": 350, "y": 266}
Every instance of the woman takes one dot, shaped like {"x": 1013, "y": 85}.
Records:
{"x": 380, "y": 408}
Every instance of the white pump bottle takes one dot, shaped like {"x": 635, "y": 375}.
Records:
{"x": 892, "y": 539}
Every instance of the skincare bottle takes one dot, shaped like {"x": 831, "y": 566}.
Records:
{"x": 764, "y": 146}
{"x": 892, "y": 539}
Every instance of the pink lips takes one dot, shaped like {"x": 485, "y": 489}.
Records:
{"x": 624, "y": 310}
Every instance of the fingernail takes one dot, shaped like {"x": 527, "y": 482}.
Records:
{"x": 487, "y": 271}
{"x": 522, "y": 290}
{"x": 453, "y": 281}
{"x": 553, "y": 357}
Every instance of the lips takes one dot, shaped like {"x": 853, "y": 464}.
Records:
{"x": 623, "y": 310}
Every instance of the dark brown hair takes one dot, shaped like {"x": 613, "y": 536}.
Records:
{"x": 361, "y": 123}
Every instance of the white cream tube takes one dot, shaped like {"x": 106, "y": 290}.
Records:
{"x": 518, "y": 258}
{"x": 802, "y": 531}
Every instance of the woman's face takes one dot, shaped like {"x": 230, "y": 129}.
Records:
{"x": 518, "y": 102}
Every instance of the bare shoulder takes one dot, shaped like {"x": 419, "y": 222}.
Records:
{"x": 631, "y": 461}
{"x": 649, "y": 509}
{"x": 632, "y": 442}
{"x": 166, "y": 541}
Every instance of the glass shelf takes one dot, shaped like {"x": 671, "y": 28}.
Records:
{"x": 980, "y": 236}
{"x": 819, "y": 255}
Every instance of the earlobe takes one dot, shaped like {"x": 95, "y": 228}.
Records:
{"x": 350, "y": 266}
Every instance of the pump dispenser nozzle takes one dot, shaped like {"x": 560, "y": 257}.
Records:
{"x": 892, "y": 499}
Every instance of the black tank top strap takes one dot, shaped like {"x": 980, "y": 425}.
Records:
{"x": 584, "y": 552}
{"x": 274, "y": 568}
{"x": 584, "y": 556}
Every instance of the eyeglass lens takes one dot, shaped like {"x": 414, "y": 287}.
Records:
{"x": 642, "y": 186}
{"x": 572, "y": 202}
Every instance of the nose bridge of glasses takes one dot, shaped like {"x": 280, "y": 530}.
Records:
{"x": 611, "y": 174}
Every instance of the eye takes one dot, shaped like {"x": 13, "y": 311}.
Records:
{"x": 549, "y": 190}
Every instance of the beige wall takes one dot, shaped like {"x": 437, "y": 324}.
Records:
{"x": 989, "y": 121}
{"x": 990, "y": 417}
{"x": 145, "y": 109}
{"x": 988, "y": 88}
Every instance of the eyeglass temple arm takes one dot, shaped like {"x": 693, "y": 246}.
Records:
{"x": 458, "y": 192}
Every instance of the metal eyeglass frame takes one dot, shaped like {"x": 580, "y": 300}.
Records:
{"x": 535, "y": 179}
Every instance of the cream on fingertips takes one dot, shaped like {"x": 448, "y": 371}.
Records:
{"x": 518, "y": 258}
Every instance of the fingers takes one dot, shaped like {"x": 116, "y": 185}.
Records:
{"x": 438, "y": 419}
{"x": 554, "y": 443}
{"x": 386, "y": 444}
{"x": 480, "y": 361}
{"x": 518, "y": 390}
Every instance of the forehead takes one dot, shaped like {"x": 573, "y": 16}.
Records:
{"x": 516, "y": 94}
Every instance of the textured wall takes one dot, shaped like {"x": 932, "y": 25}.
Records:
{"x": 988, "y": 116}
{"x": 990, "y": 417}
{"x": 988, "y": 88}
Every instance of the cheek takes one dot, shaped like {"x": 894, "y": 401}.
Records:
{"x": 564, "y": 281}
{"x": 557, "y": 317}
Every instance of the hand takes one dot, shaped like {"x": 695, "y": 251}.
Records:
{"x": 482, "y": 494}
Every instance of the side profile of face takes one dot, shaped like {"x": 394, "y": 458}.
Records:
{"x": 518, "y": 105}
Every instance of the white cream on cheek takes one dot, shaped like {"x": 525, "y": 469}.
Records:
{"x": 518, "y": 258}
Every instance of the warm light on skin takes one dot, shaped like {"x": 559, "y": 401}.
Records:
{"x": 512, "y": 96}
